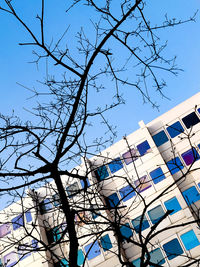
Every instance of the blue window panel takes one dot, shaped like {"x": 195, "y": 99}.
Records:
{"x": 175, "y": 129}
{"x": 113, "y": 200}
{"x": 95, "y": 212}
{"x": 10, "y": 259}
{"x": 156, "y": 214}
{"x": 106, "y": 242}
{"x": 126, "y": 231}
{"x": 191, "y": 195}
{"x": 136, "y": 262}
{"x": 93, "y": 250}
{"x": 80, "y": 258}
{"x": 83, "y": 184}
{"x": 28, "y": 216}
{"x": 101, "y": 173}
{"x": 56, "y": 234}
{"x": 5, "y": 229}
{"x": 190, "y": 156}
{"x": 63, "y": 263}
{"x": 190, "y": 120}
{"x": 174, "y": 165}
{"x": 17, "y": 222}
{"x": 160, "y": 138}
{"x": 45, "y": 206}
{"x": 127, "y": 192}
{"x": 156, "y": 257}
{"x": 115, "y": 165}
{"x": 173, "y": 205}
{"x": 34, "y": 243}
{"x": 72, "y": 190}
{"x": 22, "y": 253}
{"x": 1, "y": 264}
{"x": 136, "y": 223}
{"x": 198, "y": 110}
{"x": 143, "y": 148}
{"x": 190, "y": 240}
{"x": 56, "y": 200}
{"x": 130, "y": 156}
{"x": 157, "y": 175}
{"x": 173, "y": 249}
{"x": 198, "y": 146}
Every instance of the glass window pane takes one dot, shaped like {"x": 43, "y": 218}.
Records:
{"x": 34, "y": 243}
{"x": 142, "y": 184}
{"x": 173, "y": 205}
{"x": 4, "y": 230}
{"x": 190, "y": 156}
{"x": 156, "y": 214}
{"x": 101, "y": 173}
{"x": 190, "y": 120}
{"x": 83, "y": 184}
{"x": 130, "y": 156}
{"x": 191, "y": 195}
{"x": 126, "y": 231}
{"x": 157, "y": 175}
{"x": 45, "y": 206}
{"x": 28, "y": 216}
{"x": 80, "y": 258}
{"x": 136, "y": 223}
{"x": 136, "y": 262}
{"x": 22, "y": 252}
{"x": 17, "y": 222}
{"x": 160, "y": 138}
{"x": 190, "y": 240}
{"x": 10, "y": 259}
{"x": 156, "y": 257}
{"x": 175, "y": 129}
{"x": 173, "y": 249}
{"x": 143, "y": 148}
{"x": 113, "y": 200}
{"x": 115, "y": 165}
{"x": 106, "y": 242}
{"x": 127, "y": 192}
{"x": 93, "y": 250}
{"x": 174, "y": 165}
{"x": 72, "y": 189}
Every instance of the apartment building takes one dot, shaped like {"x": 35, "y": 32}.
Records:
{"x": 151, "y": 174}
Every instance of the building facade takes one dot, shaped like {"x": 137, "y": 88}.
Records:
{"x": 147, "y": 186}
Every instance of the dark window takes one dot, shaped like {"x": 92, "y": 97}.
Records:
{"x": 83, "y": 183}
{"x": 72, "y": 189}
{"x": 45, "y": 206}
{"x": 142, "y": 184}
{"x": 23, "y": 251}
{"x": 172, "y": 205}
{"x": 160, "y": 138}
{"x": 95, "y": 212}
{"x": 127, "y": 192}
{"x": 101, "y": 173}
{"x": 156, "y": 257}
{"x": 28, "y": 216}
{"x": 105, "y": 242}
{"x": 190, "y": 240}
{"x": 115, "y": 165}
{"x": 174, "y": 165}
{"x": 10, "y": 259}
{"x": 156, "y": 214}
{"x": 113, "y": 200}
{"x": 198, "y": 110}
{"x": 191, "y": 195}
{"x": 126, "y": 231}
{"x": 17, "y": 222}
{"x": 173, "y": 249}
{"x": 143, "y": 148}
{"x": 130, "y": 156}
{"x": 157, "y": 175}
{"x": 53, "y": 235}
{"x": 190, "y": 156}
{"x": 175, "y": 129}
{"x": 190, "y": 120}
{"x": 93, "y": 250}
{"x": 136, "y": 223}
{"x": 5, "y": 229}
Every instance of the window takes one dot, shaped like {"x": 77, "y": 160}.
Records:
{"x": 157, "y": 175}
{"x": 17, "y": 222}
{"x": 101, "y": 173}
{"x": 127, "y": 192}
{"x": 174, "y": 165}
{"x": 142, "y": 184}
{"x": 190, "y": 120}
{"x": 190, "y": 156}
{"x": 156, "y": 257}
{"x": 95, "y": 212}
{"x": 56, "y": 200}
{"x": 136, "y": 223}
{"x": 34, "y": 243}
{"x": 23, "y": 252}
{"x": 137, "y": 262}
{"x": 175, "y": 129}
{"x": 126, "y": 231}
{"x": 83, "y": 184}
{"x": 156, "y": 214}
{"x": 105, "y": 242}
{"x": 5, "y": 229}
{"x": 173, "y": 205}
{"x": 115, "y": 165}
{"x": 113, "y": 200}
{"x": 143, "y": 148}
{"x": 53, "y": 235}
{"x": 160, "y": 138}
{"x": 72, "y": 189}
{"x": 191, "y": 195}
{"x": 173, "y": 249}
{"x": 80, "y": 258}
{"x": 45, "y": 206}
{"x": 10, "y": 259}
{"x": 130, "y": 156}
{"x": 28, "y": 216}
{"x": 92, "y": 250}
{"x": 190, "y": 240}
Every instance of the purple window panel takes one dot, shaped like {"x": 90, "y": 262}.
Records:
{"x": 5, "y": 229}
{"x": 190, "y": 156}
{"x": 130, "y": 156}
{"x": 10, "y": 259}
{"x": 142, "y": 183}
